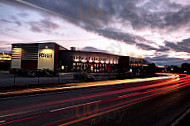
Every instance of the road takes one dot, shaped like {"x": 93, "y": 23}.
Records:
{"x": 153, "y": 102}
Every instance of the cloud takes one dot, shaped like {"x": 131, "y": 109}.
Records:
{"x": 98, "y": 15}
{"x": 126, "y": 21}
{"x": 148, "y": 47}
{"x": 92, "y": 49}
{"x": 18, "y": 23}
{"x": 4, "y": 45}
{"x": 145, "y": 46}
{"x": 165, "y": 60}
{"x": 43, "y": 25}
{"x": 23, "y": 14}
{"x": 178, "y": 18}
{"x": 183, "y": 46}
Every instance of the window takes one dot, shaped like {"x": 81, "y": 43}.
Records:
{"x": 62, "y": 67}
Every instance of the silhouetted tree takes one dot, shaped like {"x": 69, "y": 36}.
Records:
{"x": 152, "y": 69}
{"x": 185, "y": 67}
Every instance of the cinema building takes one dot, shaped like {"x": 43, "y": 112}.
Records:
{"x": 55, "y": 57}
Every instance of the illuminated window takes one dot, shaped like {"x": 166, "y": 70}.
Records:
{"x": 62, "y": 67}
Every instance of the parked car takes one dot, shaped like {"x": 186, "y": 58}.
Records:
{"x": 36, "y": 73}
{"x": 25, "y": 73}
{"x": 84, "y": 76}
{"x": 51, "y": 73}
{"x": 45, "y": 73}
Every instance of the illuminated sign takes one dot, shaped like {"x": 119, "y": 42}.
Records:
{"x": 45, "y": 55}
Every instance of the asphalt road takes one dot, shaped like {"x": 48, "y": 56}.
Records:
{"x": 150, "y": 103}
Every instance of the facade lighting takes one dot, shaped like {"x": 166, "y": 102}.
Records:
{"x": 96, "y": 61}
{"x": 84, "y": 61}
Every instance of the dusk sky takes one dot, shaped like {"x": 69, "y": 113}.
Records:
{"x": 158, "y": 30}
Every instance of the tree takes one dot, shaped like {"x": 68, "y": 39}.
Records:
{"x": 151, "y": 69}
{"x": 185, "y": 67}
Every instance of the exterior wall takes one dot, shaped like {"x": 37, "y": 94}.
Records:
{"x": 56, "y": 59}
{"x": 123, "y": 65}
{"x": 16, "y": 57}
{"x": 46, "y": 56}
{"x": 29, "y": 56}
{"x": 88, "y": 61}
{"x": 29, "y": 64}
{"x": 35, "y": 56}
{"x": 137, "y": 65}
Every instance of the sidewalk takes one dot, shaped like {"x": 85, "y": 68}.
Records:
{"x": 70, "y": 86}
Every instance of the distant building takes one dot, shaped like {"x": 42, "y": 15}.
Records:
{"x": 55, "y": 57}
{"x": 5, "y": 61}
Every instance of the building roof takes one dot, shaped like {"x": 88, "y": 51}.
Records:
{"x": 39, "y": 43}
{"x": 80, "y": 51}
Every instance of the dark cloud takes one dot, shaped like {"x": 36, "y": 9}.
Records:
{"x": 180, "y": 17}
{"x": 145, "y": 47}
{"x": 34, "y": 27}
{"x": 100, "y": 13}
{"x": 148, "y": 47}
{"x": 117, "y": 35}
{"x": 18, "y": 23}
{"x": 165, "y": 60}
{"x": 44, "y": 25}
{"x": 99, "y": 16}
{"x": 23, "y": 15}
{"x": 92, "y": 49}
{"x": 163, "y": 49}
{"x": 5, "y": 21}
{"x": 183, "y": 46}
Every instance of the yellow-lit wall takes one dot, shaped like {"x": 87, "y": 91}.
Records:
{"x": 16, "y": 58}
{"x": 46, "y": 59}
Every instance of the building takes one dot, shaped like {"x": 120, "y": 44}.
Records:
{"x": 55, "y": 57}
{"x": 74, "y": 60}
{"x": 36, "y": 56}
{"x": 5, "y": 61}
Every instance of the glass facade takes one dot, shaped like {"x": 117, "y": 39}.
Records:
{"x": 94, "y": 64}
{"x": 94, "y": 67}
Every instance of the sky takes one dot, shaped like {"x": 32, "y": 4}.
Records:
{"x": 157, "y": 30}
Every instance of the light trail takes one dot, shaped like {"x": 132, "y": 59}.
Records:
{"x": 114, "y": 109}
{"x": 91, "y": 84}
{"x": 55, "y": 110}
{"x": 3, "y": 114}
{"x": 161, "y": 88}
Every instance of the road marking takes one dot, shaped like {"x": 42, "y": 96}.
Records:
{"x": 55, "y": 110}
{"x": 181, "y": 118}
{"x": 2, "y": 121}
